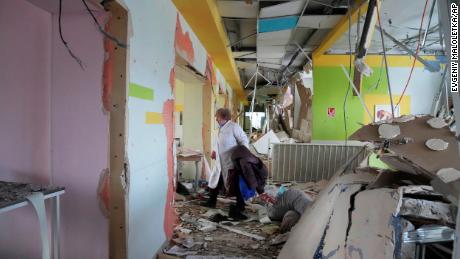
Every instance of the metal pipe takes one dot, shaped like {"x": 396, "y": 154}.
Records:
{"x": 253, "y": 101}
{"x": 357, "y": 93}
{"x": 247, "y": 84}
{"x": 428, "y": 25}
{"x": 303, "y": 52}
{"x": 412, "y": 53}
{"x": 241, "y": 39}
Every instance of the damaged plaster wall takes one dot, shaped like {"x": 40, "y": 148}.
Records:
{"x": 25, "y": 119}
{"x": 80, "y": 136}
{"x": 157, "y": 32}
{"x": 331, "y": 84}
{"x": 57, "y": 132}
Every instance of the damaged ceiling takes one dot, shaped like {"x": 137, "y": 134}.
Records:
{"x": 267, "y": 32}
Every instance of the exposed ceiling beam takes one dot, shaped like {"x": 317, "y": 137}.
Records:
{"x": 204, "y": 19}
{"x": 340, "y": 28}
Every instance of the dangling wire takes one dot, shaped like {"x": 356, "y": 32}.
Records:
{"x": 77, "y": 59}
{"x": 416, "y": 53}
{"x": 106, "y": 34}
{"x": 386, "y": 62}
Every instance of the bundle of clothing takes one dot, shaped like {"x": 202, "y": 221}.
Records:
{"x": 249, "y": 174}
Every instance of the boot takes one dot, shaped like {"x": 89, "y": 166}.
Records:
{"x": 235, "y": 213}
{"x": 209, "y": 204}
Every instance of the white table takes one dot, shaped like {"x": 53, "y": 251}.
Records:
{"x": 14, "y": 201}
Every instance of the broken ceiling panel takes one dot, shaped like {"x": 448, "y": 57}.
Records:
{"x": 284, "y": 9}
{"x": 306, "y": 237}
{"x": 374, "y": 232}
{"x": 277, "y": 24}
{"x": 319, "y": 21}
{"x": 273, "y": 38}
{"x": 335, "y": 238}
{"x": 415, "y": 154}
{"x": 403, "y": 27}
{"x": 238, "y": 9}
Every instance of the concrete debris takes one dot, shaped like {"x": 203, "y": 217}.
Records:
{"x": 270, "y": 229}
{"x": 206, "y": 225}
{"x": 212, "y": 257}
{"x": 436, "y": 144}
{"x": 184, "y": 230}
{"x": 448, "y": 175}
{"x": 187, "y": 242}
{"x": 436, "y": 123}
{"x": 226, "y": 239}
{"x": 244, "y": 233}
{"x": 177, "y": 250}
{"x": 388, "y": 131}
{"x": 255, "y": 246}
{"x": 427, "y": 211}
{"x": 404, "y": 118}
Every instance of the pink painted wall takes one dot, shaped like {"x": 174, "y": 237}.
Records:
{"x": 52, "y": 127}
{"x": 25, "y": 52}
{"x": 79, "y": 136}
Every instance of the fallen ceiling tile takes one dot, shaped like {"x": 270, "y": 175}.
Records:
{"x": 388, "y": 131}
{"x": 436, "y": 144}
{"x": 404, "y": 118}
{"x": 414, "y": 157}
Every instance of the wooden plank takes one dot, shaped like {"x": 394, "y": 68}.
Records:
{"x": 117, "y": 203}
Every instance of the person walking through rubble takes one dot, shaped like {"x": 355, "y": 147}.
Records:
{"x": 230, "y": 135}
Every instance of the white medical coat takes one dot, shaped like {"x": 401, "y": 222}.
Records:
{"x": 230, "y": 135}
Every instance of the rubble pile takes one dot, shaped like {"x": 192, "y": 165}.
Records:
{"x": 210, "y": 234}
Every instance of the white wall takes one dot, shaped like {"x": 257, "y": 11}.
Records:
{"x": 422, "y": 88}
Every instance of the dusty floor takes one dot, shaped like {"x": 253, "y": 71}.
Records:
{"x": 198, "y": 237}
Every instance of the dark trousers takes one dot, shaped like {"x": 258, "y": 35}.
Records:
{"x": 213, "y": 193}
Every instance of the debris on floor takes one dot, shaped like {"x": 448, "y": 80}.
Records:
{"x": 211, "y": 233}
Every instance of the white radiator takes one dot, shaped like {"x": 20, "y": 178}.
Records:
{"x": 307, "y": 162}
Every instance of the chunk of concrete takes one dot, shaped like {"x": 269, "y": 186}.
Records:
{"x": 388, "y": 131}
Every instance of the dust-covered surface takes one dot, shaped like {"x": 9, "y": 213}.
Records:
{"x": 197, "y": 235}
{"x": 12, "y": 193}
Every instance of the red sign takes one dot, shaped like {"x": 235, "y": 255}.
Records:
{"x": 331, "y": 112}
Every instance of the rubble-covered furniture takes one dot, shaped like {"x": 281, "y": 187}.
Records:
{"x": 16, "y": 195}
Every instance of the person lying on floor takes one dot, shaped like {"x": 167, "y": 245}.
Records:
{"x": 231, "y": 138}
{"x": 288, "y": 207}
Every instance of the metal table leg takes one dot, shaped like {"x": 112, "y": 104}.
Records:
{"x": 196, "y": 175}
{"x": 56, "y": 227}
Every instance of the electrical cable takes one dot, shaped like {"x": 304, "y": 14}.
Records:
{"x": 77, "y": 59}
{"x": 416, "y": 53}
{"x": 106, "y": 34}
{"x": 349, "y": 72}
{"x": 386, "y": 62}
